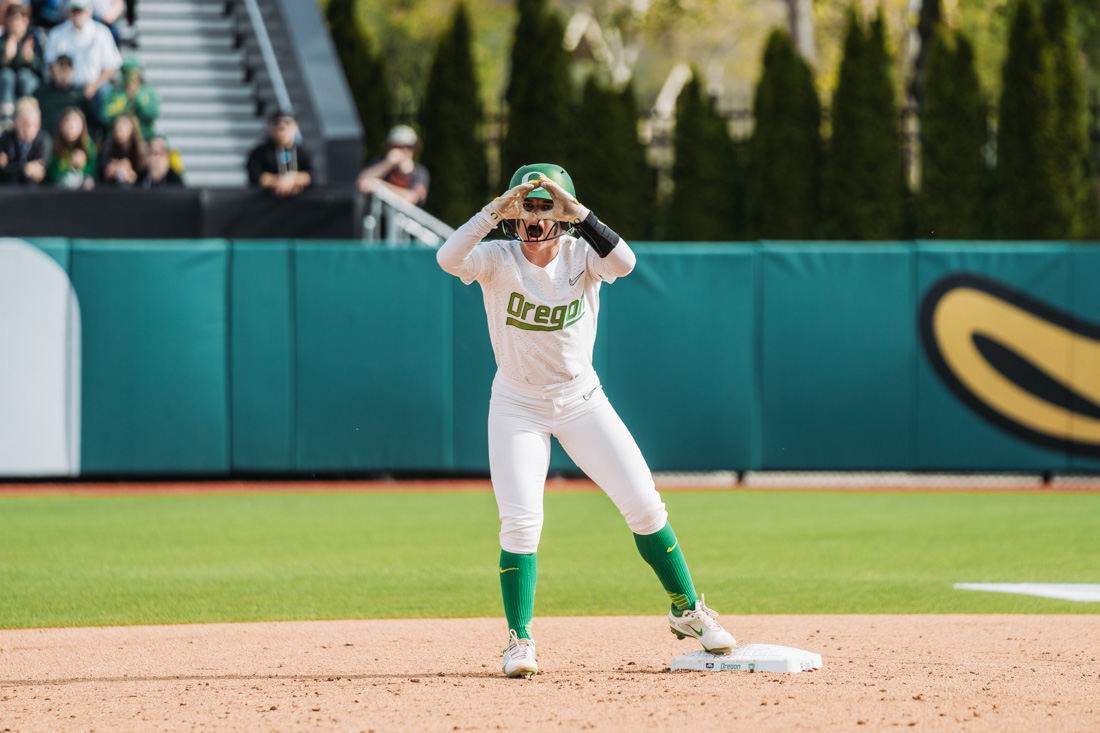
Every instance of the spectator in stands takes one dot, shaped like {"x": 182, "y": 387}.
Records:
{"x": 58, "y": 93}
{"x": 159, "y": 172}
{"x": 122, "y": 156}
{"x": 397, "y": 170}
{"x": 21, "y": 49}
{"x": 131, "y": 18}
{"x": 73, "y": 158}
{"x": 89, "y": 44}
{"x": 47, "y": 14}
{"x": 24, "y": 150}
{"x": 108, "y": 13}
{"x": 280, "y": 164}
{"x": 4, "y": 9}
{"x": 133, "y": 97}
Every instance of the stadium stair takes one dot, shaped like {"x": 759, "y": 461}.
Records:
{"x": 210, "y": 110}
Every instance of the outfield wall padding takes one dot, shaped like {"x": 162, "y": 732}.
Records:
{"x": 295, "y": 357}
{"x": 156, "y": 356}
{"x": 836, "y": 390}
{"x": 262, "y": 357}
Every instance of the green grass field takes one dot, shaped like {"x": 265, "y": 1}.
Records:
{"x": 77, "y": 561}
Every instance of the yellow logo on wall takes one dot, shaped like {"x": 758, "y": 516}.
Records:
{"x": 1023, "y": 365}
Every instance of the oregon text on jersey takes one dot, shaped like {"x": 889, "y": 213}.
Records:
{"x": 544, "y": 317}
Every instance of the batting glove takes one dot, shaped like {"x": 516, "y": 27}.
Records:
{"x": 566, "y": 208}
{"x": 509, "y": 205}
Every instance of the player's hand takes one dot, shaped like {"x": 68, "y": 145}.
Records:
{"x": 566, "y": 208}
{"x": 509, "y": 205}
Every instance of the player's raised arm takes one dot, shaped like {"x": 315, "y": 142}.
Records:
{"x": 615, "y": 252}
{"x": 454, "y": 255}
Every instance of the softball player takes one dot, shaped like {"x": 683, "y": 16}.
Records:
{"x": 542, "y": 300}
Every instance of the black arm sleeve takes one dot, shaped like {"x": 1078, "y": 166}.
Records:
{"x": 597, "y": 234}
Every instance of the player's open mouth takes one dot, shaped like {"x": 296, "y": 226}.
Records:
{"x": 534, "y": 231}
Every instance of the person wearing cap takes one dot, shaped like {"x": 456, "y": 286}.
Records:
{"x": 396, "y": 170}
{"x": 133, "y": 97}
{"x": 58, "y": 93}
{"x": 280, "y": 164}
{"x": 21, "y": 48}
{"x": 89, "y": 44}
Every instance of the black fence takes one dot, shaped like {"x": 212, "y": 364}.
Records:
{"x": 318, "y": 213}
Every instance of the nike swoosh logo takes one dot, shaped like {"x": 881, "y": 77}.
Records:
{"x": 697, "y": 632}
{"x": 573, "y": 281}
{"x": 504, "y": 570}
{"x": 673, "y": 547}
{"x": 589, "y": 395}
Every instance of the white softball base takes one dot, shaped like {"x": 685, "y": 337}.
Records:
{"x": 750, "y": 658}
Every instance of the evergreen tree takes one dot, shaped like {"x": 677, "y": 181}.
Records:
{"x": 1070, "y": 119}
{"x": 927, "y": 24}
{"x": 365, "y": 72}
{"x": 539, "y": 93}
{"x": 641, "y": 178}
{"x": 785, "y": 173}
{"x": 608, "y": 161}
{"x": 1031, "y": 202}
{"x": 705, "y": 204}
{"x": 954, "y": 176}
{"x": 450, "y": 123}
{"x": 864, "y": 176}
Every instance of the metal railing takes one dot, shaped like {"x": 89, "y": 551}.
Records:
{"x": 282, "y": 96}
{"x": 395, "y": 222}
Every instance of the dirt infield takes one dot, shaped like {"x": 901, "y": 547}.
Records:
{"x": 973, "y": 673}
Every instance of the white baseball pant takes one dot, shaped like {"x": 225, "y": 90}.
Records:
{"x": 522, "y": 418}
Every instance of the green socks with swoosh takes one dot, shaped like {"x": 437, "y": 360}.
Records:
{"x": 517, "y": 584}
{"x": 662, "y": 551}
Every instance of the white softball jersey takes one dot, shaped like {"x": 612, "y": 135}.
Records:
{"x": 542, "y": 321}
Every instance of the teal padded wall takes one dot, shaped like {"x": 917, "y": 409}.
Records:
{"x": 211, "y": 357}
{"x": 373, "y": 359}
{"x": 473, "y": 369}
{"x": 155, "y": 382}
{"x": 836, "y": 356}
{"x": 261, "y": 357}
{"x": 679, "y": 366}
{"x": 950, "y": 435}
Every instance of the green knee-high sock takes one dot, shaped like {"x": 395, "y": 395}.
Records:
{"x": 517, "y": 583}
{"x": 662, "y": 551}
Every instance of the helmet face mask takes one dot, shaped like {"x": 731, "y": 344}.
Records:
{"x": 513, "y": 227}
{"x": 534, "y": 205}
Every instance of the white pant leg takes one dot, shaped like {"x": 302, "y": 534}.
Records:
{"x": 519, "y": 457}
{"x": 597, "y": 440}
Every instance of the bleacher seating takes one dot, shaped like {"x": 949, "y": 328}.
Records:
{"x": 209, "y": 111}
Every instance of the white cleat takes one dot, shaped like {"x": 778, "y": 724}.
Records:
{"x": 702, "y": 623}
{"x": 519, "y": 657}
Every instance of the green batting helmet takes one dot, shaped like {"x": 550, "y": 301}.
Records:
{"x": 532, "y": 172}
